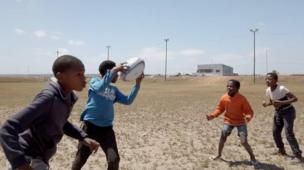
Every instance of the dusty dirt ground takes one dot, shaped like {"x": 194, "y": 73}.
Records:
{"x": 165, "y": 128}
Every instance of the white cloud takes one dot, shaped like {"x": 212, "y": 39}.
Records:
{"x": 40, "y": 33}
{"x": 154, "y": 54}
{"x": 230, "y": 59}
{"x": 19, "y": 31}
{"x": 76, "y": 42}
{"x": 259, "y": 25}
{"x": 154, "y": 58}
{"x": 55, "y": 37}
{"x": 183, "y": 61}
{"x": 243, "y": 62}
{"x": 58, "y": 33}
{"x": 192, "y": 52}
{"x": 92, "y": 62}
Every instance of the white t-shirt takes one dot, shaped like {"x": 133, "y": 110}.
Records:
{"x": 278, "y": 94}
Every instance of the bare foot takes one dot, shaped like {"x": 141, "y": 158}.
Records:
{"x": 300, "y": 158}
{"x": 218, "y": 157}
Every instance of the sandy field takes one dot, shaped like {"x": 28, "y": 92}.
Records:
{"x": 165, "y": 128}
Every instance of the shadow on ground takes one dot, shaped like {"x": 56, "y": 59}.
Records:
{"x": 259, "y": 165}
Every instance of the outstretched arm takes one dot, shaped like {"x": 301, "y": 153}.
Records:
{"x": 76, "y": 133}
{"x": 127, "y": 100}
{"x": 248, "y": 112}
{"x": 218, "y": 111}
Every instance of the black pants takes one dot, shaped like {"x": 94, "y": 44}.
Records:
{"x": 285, "y": 118}
{"x": 105, "y": 136}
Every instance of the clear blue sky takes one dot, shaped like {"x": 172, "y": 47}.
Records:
{"x": 200, "y": 32}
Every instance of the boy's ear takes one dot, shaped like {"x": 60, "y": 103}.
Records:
{"x": 59, "y": 76}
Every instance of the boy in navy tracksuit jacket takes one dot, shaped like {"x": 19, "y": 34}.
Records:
{"x": 29, "y": 138}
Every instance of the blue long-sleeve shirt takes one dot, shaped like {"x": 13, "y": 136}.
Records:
{"x": 101, "y": 98}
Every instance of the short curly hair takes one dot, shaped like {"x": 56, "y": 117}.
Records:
{"x": 274, "y": 75}
{"x": 236, "y": 83}
{"x": 106, "y": 65}
{"x": 66, "y": 62}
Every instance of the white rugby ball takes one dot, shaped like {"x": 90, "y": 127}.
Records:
{"x": 135, "y": 66}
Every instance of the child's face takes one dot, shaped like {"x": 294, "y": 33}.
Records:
{"x": 270, "y": 81}
{"x": 73, "y": 79}
{"x": 231, "y": 89}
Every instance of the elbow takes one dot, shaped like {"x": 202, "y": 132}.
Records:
{"x": 1, "y": 134}
{"x": 293, "y": 99}
{"x": 3, "y": 129}
{"x": 129, "y": 102}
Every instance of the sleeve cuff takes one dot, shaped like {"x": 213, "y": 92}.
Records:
{"x": 19, "y": 161}
{"x": 83, "y": 136}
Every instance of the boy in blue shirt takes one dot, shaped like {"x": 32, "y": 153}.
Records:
{"x": 99, "y": 113}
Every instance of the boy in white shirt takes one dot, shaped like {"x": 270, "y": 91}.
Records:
{"x": 281, "y": 98}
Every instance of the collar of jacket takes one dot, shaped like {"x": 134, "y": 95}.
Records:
{"x": 56, "y": 87}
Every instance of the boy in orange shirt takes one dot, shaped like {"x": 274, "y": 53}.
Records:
{"x": 238, "y": 113}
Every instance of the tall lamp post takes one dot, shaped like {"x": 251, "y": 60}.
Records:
{"x": 266, "y": 60}
{"x": 254, "y": 31}
{"x": 108, "y": 56}
{"x": 57, "y": 52}
{"x": 166, "y": 40}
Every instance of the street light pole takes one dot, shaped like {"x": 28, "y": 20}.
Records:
{"x": 254, "y": 31}
{"x": 108, "y": 56}
{"x": 57, "y": 52}
{"x": 166, "y": 40}
{"x": 266, "y": 61}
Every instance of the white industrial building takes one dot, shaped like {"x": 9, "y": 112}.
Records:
{"x": 214, "y": 70}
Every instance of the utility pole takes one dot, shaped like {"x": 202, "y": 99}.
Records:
{"x": 57, "y": 52}
{"x": 108, "y": 56}
{"x": 266, "y": 60}
{"x": 254, "y": 31}
{"x": 166, "y": 40}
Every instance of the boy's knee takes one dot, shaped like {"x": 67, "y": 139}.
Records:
{"x": 227, "y": 129}
{"x": 39, "y": 164}
{"x": 275, "y": 132}
{"x": 224, "y": 137}
{"x": 112, "y": 156}
{"x": 243, "y": 139}
{"x": 225, "y": 134}
{"x": 114, "y": 160}
{"x": 289, "y": 135}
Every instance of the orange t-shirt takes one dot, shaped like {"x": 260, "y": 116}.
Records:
{"x": 236, "y": 108}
